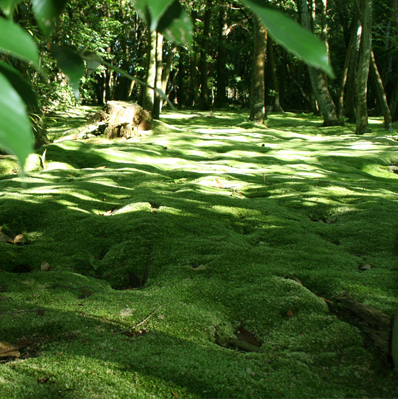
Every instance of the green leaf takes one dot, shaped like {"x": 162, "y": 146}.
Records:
{"x": 92, "y": 59}
{"x": 15, "y": 130}
{"x": 23, "y": 88}
{"x": 141, "y": 6}
{"x": 293, "y": 37}
{"x": 176, "y": 25}
{"x": 47, "y": 13}
{"x": 167, "y": 17}
{"x": 18, "y": 43}
{"x": 8, "y": 6}
{"x": 157, "y": 8}
{"x": 71, "y": 64}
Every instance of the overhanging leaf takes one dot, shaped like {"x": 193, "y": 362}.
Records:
{"x": 71, "y": 64}
{"x": 23, "y": 88}
{"x": 15, "y": 130}
{"x": 16, "y": 42}
{"x": 141, "y": 6}
{"x": 8, "y": 6}
{"x": 168, "y": 17}
{"x": 176, "y": 25}
{"x": 157, "y": 8}
{"x": 47, "y": 13}
{"x": 293, "y": 37}
{"x": 92, "y": 59}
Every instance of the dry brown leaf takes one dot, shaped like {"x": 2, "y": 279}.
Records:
{"x": 7, "y": 349}
{"x": 244, "y": 335}
{"x": 108, "y": 213}
{"x": 290, "y": 313}
{"x": 45, "y": 267}
{"x": 366, "y": 266}
{"x": 18, "y": 239}
{"x": 219, "y": 183}
{"x": 4, "y": 237}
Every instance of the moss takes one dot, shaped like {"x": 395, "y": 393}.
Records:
{"x": 213, "y": 214}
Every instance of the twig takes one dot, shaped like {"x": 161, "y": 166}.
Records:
{"x": 142, "y": 322}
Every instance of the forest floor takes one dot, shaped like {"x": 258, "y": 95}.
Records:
{"x": 240, "y": 235}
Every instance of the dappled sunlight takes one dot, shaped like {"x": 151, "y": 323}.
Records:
{"x": 220, "y": 226}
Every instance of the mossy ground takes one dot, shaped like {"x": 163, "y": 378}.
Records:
{"x": 213, "y": 213}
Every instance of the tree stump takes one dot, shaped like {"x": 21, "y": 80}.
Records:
{"x": 123, "y": 119}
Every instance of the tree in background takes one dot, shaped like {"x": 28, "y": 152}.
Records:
{"x": 361, "y": 86}
{"x": 257, "y": 96}
{"x": 94, "y": 36}
{"x": 318, "y": 79}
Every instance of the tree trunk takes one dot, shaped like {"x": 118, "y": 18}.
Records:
{"x": 257, "y": 97}
{"x": 149, "y": 95}
{"x": 348, "y": 75}
{"x": 318, "y": 81}
{"x": 273, "y": 83}
{"x": 158, "y": 79}
{"x": 193, "y": 99}
{"x": 221, "y": 98}
{"x": 380, "y": 93}
{"x": 167, "y": 63}
{"x": 181, "y": 94}
{"x": 204, "y": 91}
{"x": 361, "y": 86}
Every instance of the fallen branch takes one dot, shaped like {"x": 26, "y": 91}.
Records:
{"x": 139, "y": 324}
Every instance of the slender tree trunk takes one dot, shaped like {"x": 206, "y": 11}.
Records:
{"x": 221, "y": 98}
{"x": 181, "y": 94}
{"x": 380, "y": 93}
{"x": 149, "y": 95}
{"x": 361, "y": 86}
{"x": 393, "y": 83}
{"x": 257, "y": 97}
{"x": 158, "y": 78}
{"x": 193, "y": 99}
{"x": 318, "y": 82}
{"x": 204, "y": 91}
{"x": 274, "y": 86}
{"x": 348, "y": 75}
{"x": 167, "y": 64}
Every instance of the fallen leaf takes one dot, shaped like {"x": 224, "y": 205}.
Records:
{"x": 43, "y": 380}
{"x": 45, "y": 267}
{"x": 244, "y": 335}
{"x": 366, "y": 266}
{"x": 4, "y": 237}
{"x": 7, "y": 349}
{"x": 290, "y": 313}
{"x": 108, "y": 213}
{"x": 18, "y": 239}
{"x": 219, "y": 184}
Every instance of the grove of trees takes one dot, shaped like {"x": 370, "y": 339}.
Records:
{"x": 235, "y": 58}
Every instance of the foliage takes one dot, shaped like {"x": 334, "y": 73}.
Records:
{"x": 167, "y": 16}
